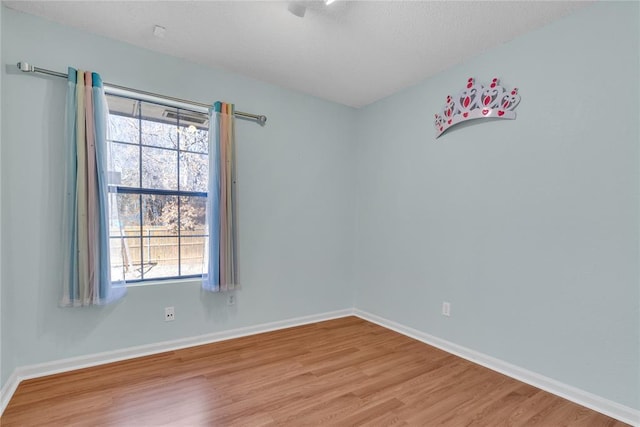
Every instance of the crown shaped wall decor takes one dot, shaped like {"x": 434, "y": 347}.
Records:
{"x": 477, "y": 102}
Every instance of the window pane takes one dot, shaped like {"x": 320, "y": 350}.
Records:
{"x": 123, "y": 129}
{"x": 191, "y": 255}
{"x": 125, "y": 258}
{"x": 193, "y": 172}
{"x": 160, "y": 256}
{"x": 128, "y": 215}
{"x": 117, "y": 257}
{"x": 159, "y": 168}
{"x": 159, "y": 125}
{"x": 192, "y": 215}
{"x": 125, "y": 161}
{"x": 157, "y": 148}
{"x": 193, "y": 138}
{"x": 159, "y": 215}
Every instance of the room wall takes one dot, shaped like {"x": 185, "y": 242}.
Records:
{"x": 529, "y": 228}
{"x": 295, "y": 186}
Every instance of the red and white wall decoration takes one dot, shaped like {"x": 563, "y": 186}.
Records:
{"x": 477, "y": 102}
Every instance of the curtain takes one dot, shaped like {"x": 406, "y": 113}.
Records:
{"x": 87, "y": 215}
{"x": 221, "y": 262}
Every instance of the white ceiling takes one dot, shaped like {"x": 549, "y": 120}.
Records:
{"x": 350, "y": 52}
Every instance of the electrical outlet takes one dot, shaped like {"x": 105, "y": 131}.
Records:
{"x": 446, "y": 309}
{"x": 231, "y": 299}
{"x": 169, "y": 314}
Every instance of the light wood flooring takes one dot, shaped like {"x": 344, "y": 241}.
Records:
{"x": 343, "y": 372}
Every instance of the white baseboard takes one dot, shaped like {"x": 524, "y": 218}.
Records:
{"x": 581, "y": 397}
{"x": 7, "y": 390}
{"x": 70, "y": 364}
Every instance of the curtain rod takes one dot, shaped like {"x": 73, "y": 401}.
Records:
{"x": 28, "y": 68}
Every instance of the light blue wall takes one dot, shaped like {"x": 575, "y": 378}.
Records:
{"x": 295, "y": 201}
{"x": 528, "y": 227}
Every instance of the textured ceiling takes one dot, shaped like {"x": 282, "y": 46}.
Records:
{"x": 350, "y": 52}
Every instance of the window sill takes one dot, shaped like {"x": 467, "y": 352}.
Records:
{"x": 165, "y": 282}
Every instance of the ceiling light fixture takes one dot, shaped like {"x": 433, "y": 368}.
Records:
{"x": 298, "y": 9}
{"x": 328, "y": 2}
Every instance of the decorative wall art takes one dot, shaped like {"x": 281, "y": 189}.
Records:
{"x": 477, "y": 102}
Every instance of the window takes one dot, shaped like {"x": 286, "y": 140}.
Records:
{"x": 159, "y": 165}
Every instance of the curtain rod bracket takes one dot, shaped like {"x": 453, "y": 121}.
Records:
{"x": 26, "y": 67}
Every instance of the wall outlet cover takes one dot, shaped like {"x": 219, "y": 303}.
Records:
{"x": 231, "y": 299}
{"x": 446, "y": 308}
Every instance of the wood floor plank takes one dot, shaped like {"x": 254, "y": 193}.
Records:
{"x": 343, "y": 372}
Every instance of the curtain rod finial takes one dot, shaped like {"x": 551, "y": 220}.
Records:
{"x": 262, "y": 120}
{"x": 25, "y": 67}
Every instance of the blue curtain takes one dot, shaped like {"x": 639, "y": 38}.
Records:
{"x": 88, "y": 215}
{"x": 221, "y": 262}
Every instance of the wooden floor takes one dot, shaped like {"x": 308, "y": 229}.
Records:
{"x": 343, "y": 372}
